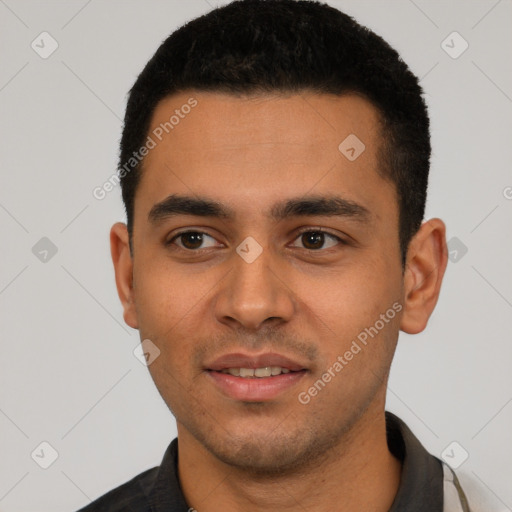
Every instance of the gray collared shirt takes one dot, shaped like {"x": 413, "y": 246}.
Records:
{"x": 424, "y": 481}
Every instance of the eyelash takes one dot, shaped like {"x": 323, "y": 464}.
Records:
{"x": 307, "y": 230}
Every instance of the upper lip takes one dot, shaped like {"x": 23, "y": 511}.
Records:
{"x": 238, "y": 360}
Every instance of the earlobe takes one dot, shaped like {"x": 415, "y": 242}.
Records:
{"x": 427, "y": 258}
{"x": 123, "y": 267}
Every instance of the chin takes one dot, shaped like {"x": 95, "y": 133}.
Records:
{"x": 269, "y": 452}
{"x": 263, "y": 458}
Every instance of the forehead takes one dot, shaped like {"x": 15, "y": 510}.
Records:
{"x": 258, "y": 149}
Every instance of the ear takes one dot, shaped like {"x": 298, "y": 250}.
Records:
{"x": 426, "y": 262}
{"x": 123, "y": 267}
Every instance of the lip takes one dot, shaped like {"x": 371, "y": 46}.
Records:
{"x": 257, "y": 389}
{"x": 239, "y": 360}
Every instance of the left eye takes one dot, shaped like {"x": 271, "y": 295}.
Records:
{"x": 315, "y": 239}
{"x": 193, "y": 240}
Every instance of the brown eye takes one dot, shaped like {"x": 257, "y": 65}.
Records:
{"x": 316, "y": 239}
{"x": 192, "y": 240}
{"x": 313, "y": 240}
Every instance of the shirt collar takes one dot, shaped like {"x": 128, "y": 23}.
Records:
{"x": 421, "y": 483}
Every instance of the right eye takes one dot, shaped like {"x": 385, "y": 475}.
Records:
{"x": 192, "y": 240}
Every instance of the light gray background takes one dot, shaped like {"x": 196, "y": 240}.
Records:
{"x": 68, "y": 375}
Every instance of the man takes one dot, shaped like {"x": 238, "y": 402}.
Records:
{"x": 274, "y": 168}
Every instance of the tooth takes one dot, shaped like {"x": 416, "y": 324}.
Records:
{"x": 263, "y": 372}
{"x": 276, "y": 370}
{"x": 234, "y": 371}
{"x": 285, "y": 370}
{"x": 246, "y": 372}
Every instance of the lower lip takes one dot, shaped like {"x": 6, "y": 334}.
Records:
{"x": 257, "y": 389}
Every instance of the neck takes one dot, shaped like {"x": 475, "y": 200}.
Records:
{"x": 358, "y": 474}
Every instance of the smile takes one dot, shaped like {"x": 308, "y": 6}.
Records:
{"x": 267, "y": 371}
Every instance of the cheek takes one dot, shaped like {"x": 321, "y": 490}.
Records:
{"x": 167, "y": 302}
{"x": 350, "y": 298}
{"x": 174, "y": 310}
{"x": 357, "y": 316}
{"x": 358, "y": 325}
{"x": 166, "y": 295}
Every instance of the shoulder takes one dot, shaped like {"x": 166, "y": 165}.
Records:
{"x": 131, "y": 495}
{"x": 478, "y": 497}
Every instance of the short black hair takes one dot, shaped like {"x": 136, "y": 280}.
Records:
{"x": 289, "y": 46}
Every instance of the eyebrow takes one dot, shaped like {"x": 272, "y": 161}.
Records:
{"x": 307, "y": 206}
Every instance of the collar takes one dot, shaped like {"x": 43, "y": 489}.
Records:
{"x": 421, "y": 483}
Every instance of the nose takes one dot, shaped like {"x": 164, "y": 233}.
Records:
{"x": 255, "y": 294}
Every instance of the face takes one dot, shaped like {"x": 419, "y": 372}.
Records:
{"x": 260, "y": 247}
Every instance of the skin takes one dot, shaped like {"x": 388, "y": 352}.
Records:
{"x": 309, "y": 304}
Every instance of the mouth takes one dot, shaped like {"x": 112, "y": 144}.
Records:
{"x": 256, "y": 373}
{"x": 255, "y": 378}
